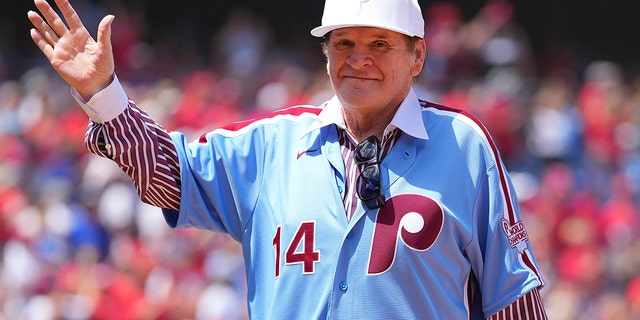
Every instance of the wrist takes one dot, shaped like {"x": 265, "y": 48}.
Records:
{"x": 88, "y": 92}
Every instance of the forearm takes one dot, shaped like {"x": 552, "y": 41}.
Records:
{"x": 143, "y": 149}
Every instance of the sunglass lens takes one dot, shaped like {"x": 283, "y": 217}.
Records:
{"x": 371, "y": 173}
{"x": 371, "y": 181}
{"x": 366, "y": 152}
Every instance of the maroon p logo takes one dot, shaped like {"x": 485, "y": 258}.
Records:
{"x": 415, "y": 219}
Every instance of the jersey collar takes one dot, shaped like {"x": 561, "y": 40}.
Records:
{"x": 408, "y": 118}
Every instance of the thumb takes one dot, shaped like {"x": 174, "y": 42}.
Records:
{"x": 104, "y": 32}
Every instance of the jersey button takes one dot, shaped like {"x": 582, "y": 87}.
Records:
{"x": 350, "y": 235}
{"x": 343, "y": 286}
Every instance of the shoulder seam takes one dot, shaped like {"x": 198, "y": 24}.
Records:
{"x": 295, "y": 111}
{"x": 292, "y": 113}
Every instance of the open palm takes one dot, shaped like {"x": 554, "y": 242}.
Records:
{"x": 84, "y": 63}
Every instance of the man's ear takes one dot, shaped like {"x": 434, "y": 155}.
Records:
{"x": 420, "y": 52}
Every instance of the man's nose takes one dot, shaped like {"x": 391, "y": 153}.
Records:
{"x": 360, "y": 58}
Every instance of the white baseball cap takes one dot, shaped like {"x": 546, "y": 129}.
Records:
{"x": 403, "y": 16}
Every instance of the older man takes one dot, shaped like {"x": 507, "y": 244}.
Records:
{"x": 374, "y": 205}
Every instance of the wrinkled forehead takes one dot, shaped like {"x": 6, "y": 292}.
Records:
{"x": 366, "y": 32}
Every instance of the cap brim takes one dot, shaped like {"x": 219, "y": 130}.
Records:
{"x": 322, "y": 30}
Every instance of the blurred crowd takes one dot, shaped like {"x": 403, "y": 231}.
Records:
{"x": 76, "y": 243}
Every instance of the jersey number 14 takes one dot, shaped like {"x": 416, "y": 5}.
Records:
{"x": 301, "y": 248}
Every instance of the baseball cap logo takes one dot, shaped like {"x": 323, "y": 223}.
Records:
{"x": 362, "y": 2}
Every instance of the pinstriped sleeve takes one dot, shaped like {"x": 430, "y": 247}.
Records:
{"x": 144, "y": 151}
{"x": 142, "y": 148}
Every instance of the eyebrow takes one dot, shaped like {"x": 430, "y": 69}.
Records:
{"x": 383, "y": 34}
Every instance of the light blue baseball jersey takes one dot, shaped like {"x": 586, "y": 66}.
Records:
{"x": 449, "y": 244}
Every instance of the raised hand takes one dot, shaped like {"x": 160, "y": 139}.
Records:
{"x": 84, "y": 63}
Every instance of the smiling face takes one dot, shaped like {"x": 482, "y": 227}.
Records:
{"x": 371, "y": 68}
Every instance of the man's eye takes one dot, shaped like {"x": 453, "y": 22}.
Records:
{"x": 343, "y": 43}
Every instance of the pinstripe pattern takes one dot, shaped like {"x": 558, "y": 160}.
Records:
{"x": 348, "y": 146}
{"x": 528, "y": 307}
{"x": 144, "y": 151}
